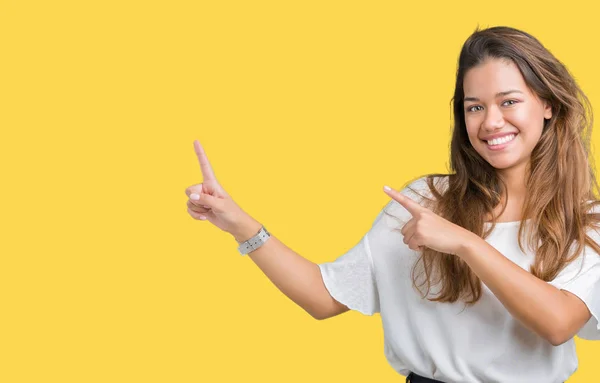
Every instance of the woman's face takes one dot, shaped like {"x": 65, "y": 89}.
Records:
{"x": 499, "y": 104}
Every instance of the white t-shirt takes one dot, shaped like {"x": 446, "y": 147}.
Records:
{"x": 449, "y": 341}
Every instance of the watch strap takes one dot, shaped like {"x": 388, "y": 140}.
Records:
{"x": 255, "y": 242}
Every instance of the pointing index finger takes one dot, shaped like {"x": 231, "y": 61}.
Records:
{"x": 205, "y": 168}
{"x": 409, "y": 204}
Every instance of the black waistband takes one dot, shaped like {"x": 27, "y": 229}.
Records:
{"x": 414, "y": 378}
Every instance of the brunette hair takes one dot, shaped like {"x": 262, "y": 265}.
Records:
{"x": 560, "y": 177}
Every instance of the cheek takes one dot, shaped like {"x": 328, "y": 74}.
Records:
{"x": 528, "y": 122}
{"x": 472, "y": 131}
{"x": 473, "y": 123}
{"x": 519, "y": 118}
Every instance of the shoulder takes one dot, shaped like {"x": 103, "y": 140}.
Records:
{"x": 593, "y": 207}
{"x": 593, "y": 229}
{"x": 589, "y": 258}
{"x": 419, "y": 190}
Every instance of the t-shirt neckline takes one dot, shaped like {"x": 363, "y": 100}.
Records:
{"x": 509, "y": 223}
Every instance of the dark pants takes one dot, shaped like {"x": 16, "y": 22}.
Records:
{"x": 414, "y": 378}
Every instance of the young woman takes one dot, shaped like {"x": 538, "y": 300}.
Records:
{"x": 487, "y": 273}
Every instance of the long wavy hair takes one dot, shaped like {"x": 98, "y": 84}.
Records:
{"x": 560, "y": 179}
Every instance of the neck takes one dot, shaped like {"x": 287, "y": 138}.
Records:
{"x": 515, "y": 182}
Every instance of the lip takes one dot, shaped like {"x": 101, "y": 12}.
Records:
{"x": 499, "y": 135}
{"x": 501, "y": 146}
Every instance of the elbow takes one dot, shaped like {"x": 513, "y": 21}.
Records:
{"x": 322, "y": 314}
{"x": 316, "y": 314}
{"x": 559, "y": 335}
{"x": 557, "y": 340}
{"x": 318, "y": 317}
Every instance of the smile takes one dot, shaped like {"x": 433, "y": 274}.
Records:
{"x": 500, "y": 143}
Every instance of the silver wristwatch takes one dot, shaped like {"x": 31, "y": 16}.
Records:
{"x": 255, "y": 242}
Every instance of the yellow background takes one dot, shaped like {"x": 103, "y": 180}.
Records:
{"x": 305, "y": 109}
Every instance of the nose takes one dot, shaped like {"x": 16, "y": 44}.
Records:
{"x": 494, "y": 119}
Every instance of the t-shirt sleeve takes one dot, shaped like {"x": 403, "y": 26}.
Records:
{"x": 350, "y": 279}
{"x": 582, "y": 278}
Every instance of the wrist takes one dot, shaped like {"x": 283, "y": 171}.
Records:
{"x": 468, "y": 243}
{"x": 246, "y": 230}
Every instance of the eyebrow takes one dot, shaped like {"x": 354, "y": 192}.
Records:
{"x": 497, "y": 95}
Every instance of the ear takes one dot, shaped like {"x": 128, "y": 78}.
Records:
{"x": 547, "y": 110}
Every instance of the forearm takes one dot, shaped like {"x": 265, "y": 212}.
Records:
{"x": 535, "y": 303}
{"x": 296, "y": 277}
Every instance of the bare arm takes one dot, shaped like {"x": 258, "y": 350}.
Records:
{"x": 297, "y": 277}
{"x": 554, "y": 314}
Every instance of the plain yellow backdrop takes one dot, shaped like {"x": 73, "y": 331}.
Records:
{"x": 305, "y": 109}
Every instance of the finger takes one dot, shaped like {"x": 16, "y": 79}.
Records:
{"x": 208, "y": 201}
{"x": 407, "y": 226}
{"x": 189, "y": 191}
{"x": 413, "y": 243}
{"x": 193, "y": 189}
{"x": 412, "y": 206}
{"x": 195, "y": 201}
{"x": 414, "y": 246}
{"x": 196, "y": 215}
{"x": 205, "y": 168}
{"x": 199, "y": 204}
{"x": 409, "y": 235}
{"x": 197, "y": 208}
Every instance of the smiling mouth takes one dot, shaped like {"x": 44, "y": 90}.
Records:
{"x": 514, "y": 135}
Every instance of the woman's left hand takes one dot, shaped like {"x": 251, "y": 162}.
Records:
{"x": 427, "y": 229}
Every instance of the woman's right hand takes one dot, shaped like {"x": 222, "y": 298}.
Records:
{"x": 209, "y": 201}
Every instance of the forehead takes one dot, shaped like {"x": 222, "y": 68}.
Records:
{"x": 493, "y": 76}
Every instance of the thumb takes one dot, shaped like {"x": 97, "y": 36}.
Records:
{"x": 213, "y": 189}
{"x": 206, "y": 199}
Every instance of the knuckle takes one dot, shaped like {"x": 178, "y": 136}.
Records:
{"x": 193, "y": 206}
{"x": 194, "y": 214}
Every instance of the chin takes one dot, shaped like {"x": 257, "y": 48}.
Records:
{"x": 503, "y": 164}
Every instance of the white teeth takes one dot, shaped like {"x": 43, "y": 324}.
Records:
{"x": 502, "y": 140}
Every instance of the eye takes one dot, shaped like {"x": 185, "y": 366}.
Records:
{"x": 513, "y": 102}
{"x": 470, "y": 109}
